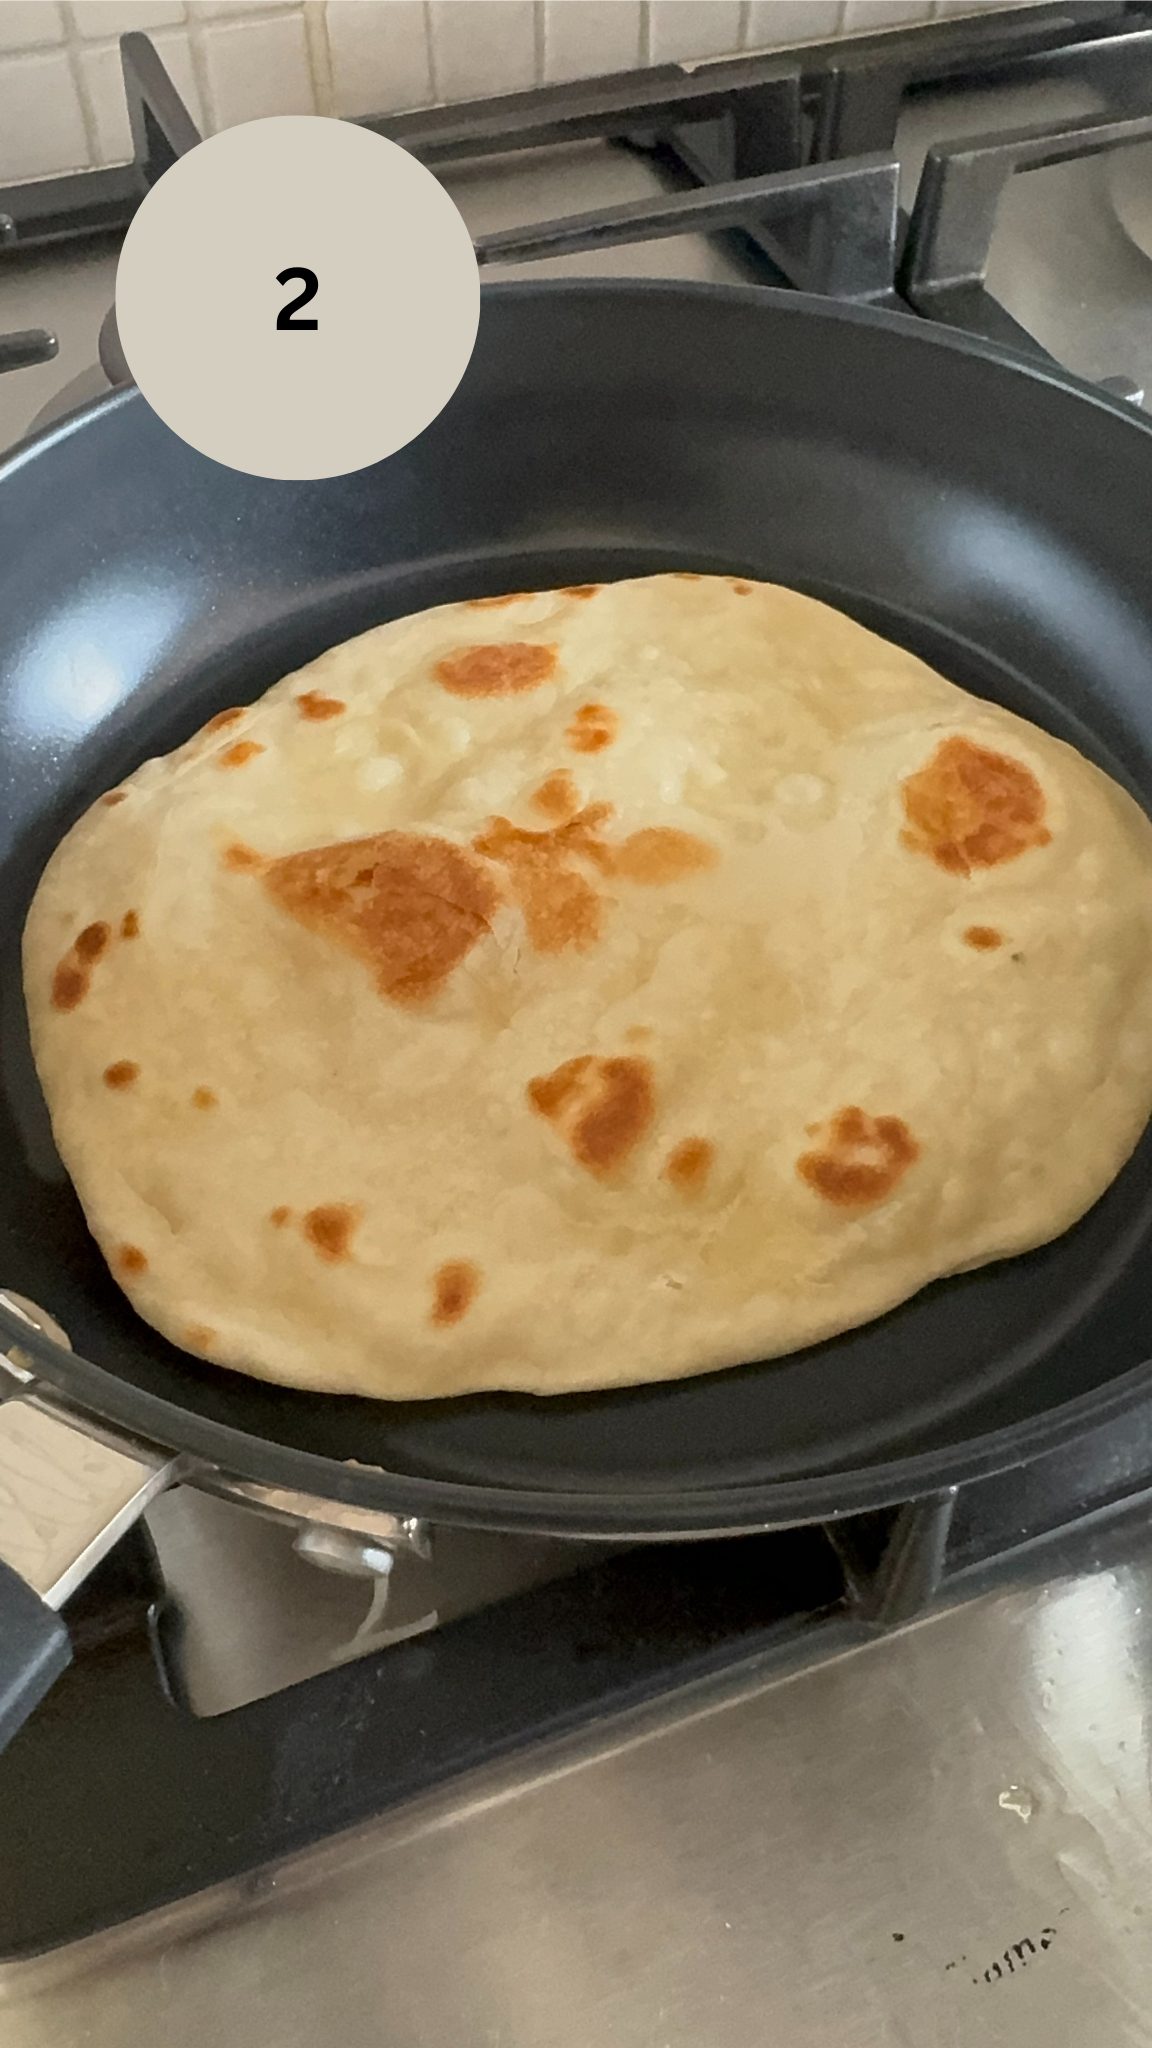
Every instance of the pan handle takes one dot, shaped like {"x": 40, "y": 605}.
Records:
{"x": 65, "y": 1498}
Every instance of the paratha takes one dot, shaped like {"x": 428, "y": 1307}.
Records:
{"x": 584, "y": 987}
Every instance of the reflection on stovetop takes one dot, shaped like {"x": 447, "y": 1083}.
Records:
{"x": 248, "y": 1614}
{"x": 157, "y": 1801}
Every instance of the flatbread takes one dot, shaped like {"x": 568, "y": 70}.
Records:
{"x": 586, "y": 987}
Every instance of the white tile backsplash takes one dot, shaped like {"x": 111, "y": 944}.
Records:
{"x": 864, "y": 17}
{"x": 61, "y": 99}
{"x": 682, "y": 29}
{"x": 255, "y": 67}
{"x": 41, "y": 125}
{"x": 583, "y": 37}
{"x": 25, "y": 23}
{"x": 380, "y": 56}
{"x": 111, "y": 17}
{"x": 772, "y": 23}
{"x": 482, "y": 46}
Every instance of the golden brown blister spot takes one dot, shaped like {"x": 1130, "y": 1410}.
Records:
{"x": 601, "y": 1107}
{"x": 115, "y": 796}
{"x": 983, "y": 937}
{"x": 502, "y": 670}
{"x": 329, "y": 1230}
{"x": 455, "y": 1287}
{"x": 241, "y": 859}
{"x": 131, "y": 1259}
{"x": 92, "y": 942}
{"x": 969, "y": 807}
{"x": 560, "y": 908}
{"x": 121, "y": 1074}
{"x": 660, "y": 854}
{"x": 69, "y": 984}
{"x": 581, "y": 589}
{"x": 198, "y": 1337}
{"x": 204, "y": 1098}
{"x": 689, "y": 1163}
{"x": 222, "y": 719}
{"x": 491, "y": 604}
{"x": 593, "y": 728}
{"x": 557, "y": 796}
{"x": 130, "y": 925}
{"x": 313, "y": 704}
{"x": 243, "y": 751}
{"x": 280, "y": 1215}
{"x": 408, "y": 904}
{"x": 862, "y": 1158}
{"x": 688, "y": 575}
{"x": 739, "y": 585}
{"x": 73, "y": 976}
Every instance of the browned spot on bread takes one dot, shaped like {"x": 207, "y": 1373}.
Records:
{"x": 601, "y": 1107}
{"x": 73, "y": 977}
{"x": 560, "y": 907}
{"x": 969, "y": 807}
{"x": 235, "y": 757}
{"x": 408, "y": 904}
{"x": 581, "y": 589}
{"x": 549, "y": 1092}
{"x": 241, "y": 859}
{"x": 69, "y": 984}
{"x": 313, "y": 704}
{"x": 121, "y": 1073}
{"x": 739, "y": 585}
{"x": 131, "y": 1259}
{"x": 455, "y": 1287}
{"x": 130, "y": 925}
{"x": 115, "y": 796}
{"x": 501, "y": 670}
{"x": 280, "y": 1215}
{"x": 689, "y": 1163}
{"x": 660, "y": 854}
{"x": 592, "y": 728}
{"x": 329, "y": 1230}
{"x": 491, "y": 604}
{"x": 92, "y": 942}
{"x": 984, "y": 937}
{"x": 861, "y": 1160}
{"x": 204, "y": 1098}
{"x": 223, "y": 718}
{"x": 503, "y": 841}
{"x": 688, "y": 575}
{"x": 199, "y": 1337}
{"x": 557, "y": 796}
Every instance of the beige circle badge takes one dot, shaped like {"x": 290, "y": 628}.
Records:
{"x": 297, "y": 297}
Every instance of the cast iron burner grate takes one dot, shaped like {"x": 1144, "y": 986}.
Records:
{"x": 794, "y": 151}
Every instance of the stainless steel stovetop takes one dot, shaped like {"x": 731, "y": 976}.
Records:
{"x": 936, "y": 1838}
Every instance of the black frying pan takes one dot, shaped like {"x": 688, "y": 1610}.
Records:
{"x": 993, "y": 516}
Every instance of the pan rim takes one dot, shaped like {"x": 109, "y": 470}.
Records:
{"x": 913, "y": 326}
{"x": 96, "y": 1395}
{"x": 92, "y": 1394}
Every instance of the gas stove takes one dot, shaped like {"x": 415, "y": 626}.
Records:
{"x": 297, "y": 1784}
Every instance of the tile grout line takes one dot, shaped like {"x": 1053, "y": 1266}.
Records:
{"x": 319, "y": 56}
{"x": 433, "y": 54}
{"x": 199, "y": 63}
{"x": 72, "y": 48}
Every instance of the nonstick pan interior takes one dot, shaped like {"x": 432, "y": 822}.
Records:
{"x": 988, "y": 517}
